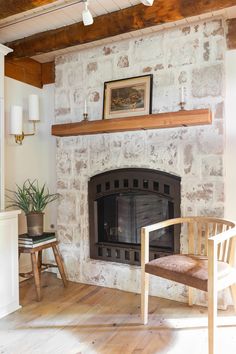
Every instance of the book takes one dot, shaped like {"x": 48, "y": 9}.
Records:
{"x": 22, "y": 243}
{"x": 44, "y": 236}
{"x": 36, "y": 239}
{"x": 37, "y": 244}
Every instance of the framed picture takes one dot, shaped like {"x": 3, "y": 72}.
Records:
{"x": 128, "y": 97}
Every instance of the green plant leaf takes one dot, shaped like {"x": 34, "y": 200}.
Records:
{"x": 30, "y": 197}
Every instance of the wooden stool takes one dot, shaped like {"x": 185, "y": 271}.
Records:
{"x": 38, "y": 266}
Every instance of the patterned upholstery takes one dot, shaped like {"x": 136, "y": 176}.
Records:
{"x": 186, "y": 269}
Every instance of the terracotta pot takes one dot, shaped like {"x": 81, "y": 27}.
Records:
{"x": 35, "y": 224}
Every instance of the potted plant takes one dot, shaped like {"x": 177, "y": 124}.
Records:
{"x": 32, "y": 199}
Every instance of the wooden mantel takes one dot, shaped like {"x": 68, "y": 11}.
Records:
{"x": 153, "y": 121}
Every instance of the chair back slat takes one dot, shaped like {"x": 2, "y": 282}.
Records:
{"x": 228, "y": 245}
{"x": 200, "y": 229}
{"x": 221, "y": 246}
{"x": 226, "y": 250}
{"x": 231, "y": 259}
{"x": 199, "y": 238}
{"x": 207, "y": 233}
{"x": 214, "y": 229}
{"x": 191, "y": 238}
{"x": 220, "y": 228}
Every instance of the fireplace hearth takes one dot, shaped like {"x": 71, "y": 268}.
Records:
{"x": 121, "y": 202}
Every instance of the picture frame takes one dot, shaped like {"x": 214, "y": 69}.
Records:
{"x": 128, "y": 97}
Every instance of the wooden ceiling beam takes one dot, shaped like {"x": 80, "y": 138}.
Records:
{"x": 48, "y": 73}
{"x": 113, "y": 24}
{"x": 231, "y": 35}
{"x": 25, "y": 70}
{"x": 30, "y": 71}
{"x": 14, "y": 7}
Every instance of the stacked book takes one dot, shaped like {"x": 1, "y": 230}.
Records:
{"x": 31, "y": 242}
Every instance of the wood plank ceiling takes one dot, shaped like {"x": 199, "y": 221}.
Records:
{"x": 43, "y": 29}
{"x": 20, "y": 19}
{"x": 12, "y": 7}
{"x": 55, "y": 15}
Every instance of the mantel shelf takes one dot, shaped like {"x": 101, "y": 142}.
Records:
{"x": 153, "y": 121}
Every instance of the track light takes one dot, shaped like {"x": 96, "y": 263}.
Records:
{"x": 147, "y": 2}
{"x": 86, "y": 15}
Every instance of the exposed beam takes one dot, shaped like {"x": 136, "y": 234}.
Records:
{"x": 30, "y": 71}
{"x": 48, "y": 73}
{"x": 112, "y": 24}
{"x": 231, "y": 35}
{"x": 14, "y": 7}
{"x": 25, "y": 70}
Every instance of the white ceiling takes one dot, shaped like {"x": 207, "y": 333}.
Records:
{"x": 65, "y": 12}
{"x": 58, "y": 14}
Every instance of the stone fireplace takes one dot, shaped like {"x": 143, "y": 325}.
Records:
{"x": 124, "y": 200}
{"x": 191, "y": 56}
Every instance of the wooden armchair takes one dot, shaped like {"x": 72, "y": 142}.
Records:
{"x": 208, "y": 265}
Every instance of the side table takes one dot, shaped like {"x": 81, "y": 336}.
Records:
{"x": 38, "y": 266}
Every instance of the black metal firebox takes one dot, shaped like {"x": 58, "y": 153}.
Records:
{"x": 121, "y": 202}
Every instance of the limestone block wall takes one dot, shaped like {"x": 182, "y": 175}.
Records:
{"x": 190, "y": 56}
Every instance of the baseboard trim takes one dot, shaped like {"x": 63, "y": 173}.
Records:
{"x": 6, "y": 310}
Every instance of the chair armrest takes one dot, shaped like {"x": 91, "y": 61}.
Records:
{"x": 222, "y": 247}
{"x": 162, "y": 224}
{"x": 145, "y": 231}
{"x": 220, "y": 238}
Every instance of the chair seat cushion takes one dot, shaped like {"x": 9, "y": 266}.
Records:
{"x": 188, "y": 269}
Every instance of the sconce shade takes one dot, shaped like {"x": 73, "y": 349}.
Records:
{"x": 33, "y": 107}
{"x": 16, "y": 120}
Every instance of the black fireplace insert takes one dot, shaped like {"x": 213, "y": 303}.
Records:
{"x": 121, "y": 202}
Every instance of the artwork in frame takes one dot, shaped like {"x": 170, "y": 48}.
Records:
{"x": 128, "y": 97}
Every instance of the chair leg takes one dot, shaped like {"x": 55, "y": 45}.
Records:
{"x": 190, "y": 296}
{"x": 212, "y": 316}
{"x": 144, "y": 296}
{"x": 233, "y": 294}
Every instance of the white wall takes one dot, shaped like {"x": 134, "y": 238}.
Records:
{"x": 230, "y": 155}
{"x": 35, "y": 158}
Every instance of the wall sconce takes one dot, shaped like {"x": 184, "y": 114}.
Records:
{"x": 16, "y": 122}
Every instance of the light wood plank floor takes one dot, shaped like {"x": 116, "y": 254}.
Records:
{"x": 88, "y": 319}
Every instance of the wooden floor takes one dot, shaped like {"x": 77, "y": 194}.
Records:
{"x": 88, "y": 319}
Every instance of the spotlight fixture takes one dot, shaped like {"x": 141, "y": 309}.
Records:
{"x": 147, "y": 2}
{"x": 86, "y": 15}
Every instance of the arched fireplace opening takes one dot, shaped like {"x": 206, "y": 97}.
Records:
{"x": 124, "y": 200}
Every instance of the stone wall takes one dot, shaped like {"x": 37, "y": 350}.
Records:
{"x": 191, "y": 56}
